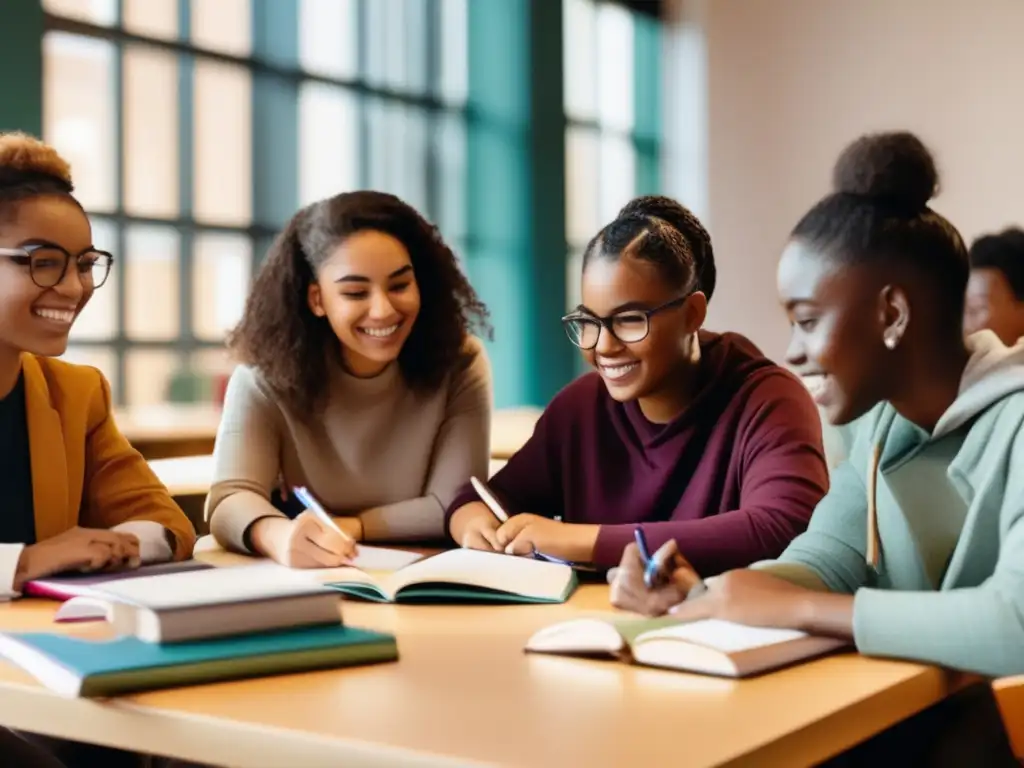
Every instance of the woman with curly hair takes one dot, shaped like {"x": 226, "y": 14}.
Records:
{"x": 359, "y": 379}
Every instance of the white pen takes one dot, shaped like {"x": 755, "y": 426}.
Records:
{"x": 484, "y": 492}
{"x": 303, "y": 495}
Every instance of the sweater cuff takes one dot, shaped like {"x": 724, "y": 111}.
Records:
{"x": 230, "y": 527}
{"x": 154, "y": 546}
{"x": 466, "y": 495}
{"x": 612, "y": 541}
{"x": 10, "y": 554}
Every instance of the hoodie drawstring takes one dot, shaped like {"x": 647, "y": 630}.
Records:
{"x": 874, "y": 544}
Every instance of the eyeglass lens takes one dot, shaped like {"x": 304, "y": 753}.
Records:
{"x": 49, "y": 267}
{"x": 627, "y": 327}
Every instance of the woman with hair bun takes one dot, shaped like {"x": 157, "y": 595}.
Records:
{"x": 360, "y": 380}
{"x": 77, "y": 496}
{"x": 688, "y": 435}
{"x": 916, "y": 551}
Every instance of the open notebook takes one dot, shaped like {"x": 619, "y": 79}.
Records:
{"x": 459, "y": 575}
{"x": 709, "y": 646}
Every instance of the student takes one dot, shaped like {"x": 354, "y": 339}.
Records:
{"x": 873, "y": 283}
{"x": 995, "y": 290}
{"x": 77, "y": 496}
{"x": 360, "y": 380}
{"x": 696, "y": 436}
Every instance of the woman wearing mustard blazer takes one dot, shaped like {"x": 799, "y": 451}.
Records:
{"x": 77, "y": 496}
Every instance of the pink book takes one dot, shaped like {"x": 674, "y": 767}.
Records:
{"x": 64, "y": 587}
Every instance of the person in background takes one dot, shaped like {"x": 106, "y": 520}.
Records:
{"x": 995, "y": 290}
{"x": 360, "y": 380}
{"x": 915, "y": 552}
{"x": 691, "y": 435}
{"x": 77, "y": 496}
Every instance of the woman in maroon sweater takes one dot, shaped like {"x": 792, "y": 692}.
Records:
{"x": 691, "y": 435}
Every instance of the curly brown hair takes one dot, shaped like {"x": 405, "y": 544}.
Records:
{"x": 29, "y": 168}
{"x": 291, "y": 347}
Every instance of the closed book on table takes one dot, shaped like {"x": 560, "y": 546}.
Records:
{"x": 99, "y": 668}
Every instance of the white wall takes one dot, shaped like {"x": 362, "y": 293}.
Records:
{"x": 761, "y": 95}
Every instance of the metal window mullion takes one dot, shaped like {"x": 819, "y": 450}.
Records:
{"x": 120, "y": 341}
{"x": 186, "y": 202}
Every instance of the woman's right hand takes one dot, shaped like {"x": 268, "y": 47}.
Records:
{"x": 474, "y": 526}
{"x": 78, "y": 549}
{"x": 304, "y": 542}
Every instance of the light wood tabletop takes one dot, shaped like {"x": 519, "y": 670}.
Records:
{"x": 464, "y": 693}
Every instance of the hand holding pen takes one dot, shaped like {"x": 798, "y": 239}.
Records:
{"x": 652, "y": 583}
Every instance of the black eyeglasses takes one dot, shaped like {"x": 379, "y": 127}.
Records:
{"x": 47, "y": 264}
{"x": 628, "y": 326}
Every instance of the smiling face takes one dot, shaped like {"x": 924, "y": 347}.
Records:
{"x": 839, "y": 316}
{"x": 653, "y": 367}
{"x": 367, "y": 291}
{"x": 34, "y": 319}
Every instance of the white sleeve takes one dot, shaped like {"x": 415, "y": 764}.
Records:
{"x": 10, "y": 554}
{"x": 153, "y": 544}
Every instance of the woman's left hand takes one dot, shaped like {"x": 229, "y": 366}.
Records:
{"x": 526, "y": 532}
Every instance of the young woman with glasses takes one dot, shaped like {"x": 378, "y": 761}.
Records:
{"x": 686, "y": 434}
{"x": 77, "y": 496}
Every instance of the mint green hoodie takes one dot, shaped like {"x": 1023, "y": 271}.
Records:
{"x": 949, "y": 585}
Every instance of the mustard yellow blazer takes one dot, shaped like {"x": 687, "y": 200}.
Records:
{"x": 84, "y": 471}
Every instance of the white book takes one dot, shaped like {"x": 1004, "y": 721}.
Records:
{"x": 708, "y": 646}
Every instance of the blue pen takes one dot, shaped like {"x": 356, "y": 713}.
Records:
{"x": 650, "y": 565}
{"x": 307, "y": 500}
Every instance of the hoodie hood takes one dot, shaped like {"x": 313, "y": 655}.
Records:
{"x": 994, "y": 371}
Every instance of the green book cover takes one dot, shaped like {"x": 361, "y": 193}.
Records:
{"x": 79, "y": 667}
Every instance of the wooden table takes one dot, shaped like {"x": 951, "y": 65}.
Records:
{"x": 464, "y": 693}
{"x": 170, "y": 430}
{"x": 193, "y": 475}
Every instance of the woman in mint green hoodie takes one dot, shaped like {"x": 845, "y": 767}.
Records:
{"x": 917, "y": 550}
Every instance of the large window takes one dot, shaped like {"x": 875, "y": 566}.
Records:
{"x": 605, "y": 149}
{"x": 157, "y": 103}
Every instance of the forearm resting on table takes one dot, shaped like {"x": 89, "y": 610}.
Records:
{"x": 245, "y": 519}
{"x": 817, "y": 611}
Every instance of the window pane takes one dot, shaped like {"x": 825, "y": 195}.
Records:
{"x": 150, "y": 132}
{"x": 615, "y": 66}
{"x": 103, "y": 358}
{"x": 222, "y": 135}
{"x": 222, "y": 268}
{"x": 398, "y": 151}
{"x": 328, "y": 44}
{"x": 99, "y": 318}
{"x": 582, "y": 171}
{"x": 152, "y": 18}
{"x": 376, "y": 37}
{"x": 150, "y": 272}
{"x": 451, "y": 154}
{"x": 579, "y": 32}
{"x": 213, "y": 367}
{"x": 96, "y": 11}
{"x": 328, "y": 141}
{"x": 79, "y": 113}
{"x": 148, "y": 374}
{"x": 412, "y": 76}
{"x": 222, "y": 25}
{"x": 454, "y": 47}
{"x": 618, "y": 174}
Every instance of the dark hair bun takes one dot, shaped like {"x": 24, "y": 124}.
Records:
{"x": 894, "y": 168}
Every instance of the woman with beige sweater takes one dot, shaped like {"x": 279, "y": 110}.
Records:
{"x": 359, "y": 380}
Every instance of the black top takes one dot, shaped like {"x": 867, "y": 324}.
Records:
{"x": 17, "y": 514}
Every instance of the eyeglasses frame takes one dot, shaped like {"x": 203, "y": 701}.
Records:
{"x": 23, "y": 255}
{"x": 606, "y": 322}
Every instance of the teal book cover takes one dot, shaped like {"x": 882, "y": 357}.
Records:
{"x": 79, "y": 667}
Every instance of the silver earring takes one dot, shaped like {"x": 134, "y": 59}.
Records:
{"x": 890, "y": 342}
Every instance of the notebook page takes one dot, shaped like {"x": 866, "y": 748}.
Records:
{"x": 518, "y": 575}
{"x": 205, "y": 587}
{"x": 725, "y": 636}
{"x": 383, "y": 559}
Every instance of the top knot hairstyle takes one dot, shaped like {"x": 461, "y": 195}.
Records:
{"x": 698, "y": 241}
{"x": 878, "y": 212}
{"x": 281, "y": 337}
{"x": 29, "y": 168}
